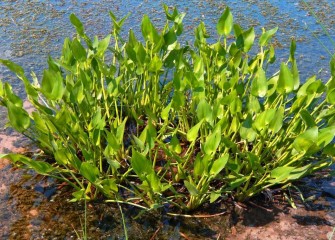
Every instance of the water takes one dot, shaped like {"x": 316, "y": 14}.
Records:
{"x": 34, "y": 207}
{"x": 32, "y": 30}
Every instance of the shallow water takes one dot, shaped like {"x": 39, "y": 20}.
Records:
{"x": 32, "y": 207}
{"x": 31, "y": 30}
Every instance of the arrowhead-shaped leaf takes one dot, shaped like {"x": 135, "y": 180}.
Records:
{"x": 225, "y": 23}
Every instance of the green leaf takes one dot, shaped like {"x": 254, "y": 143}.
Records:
{"x": 148, "y": 30}
{"x": 141, "y": 165}
{"x": 89, "y": 171}
{"x": 11, "y": 97}
{"x": 79, "y": 195}
{"x": 200, "y": 165}
{"x": 225, "y": 23}
{"x": 174, "y": 145}
{"x": 18, "y": 70}
{"x": 266, "y": 36}
{"x": 237, "y": 182}
{"x": 254, "y": 162}
{"x": 293, "y": 47}
{"x": 259, "y": 85}
{"x": 78, "y": 50}
{"x": 39, "y": 166}
{"x": 155, "y": 64}
{"x": 114, "y": 163}
{"x": 178, "y": 23}
{"x": 237, "y": 30}
{"x": 103, "y": 45}
{"x": 246, "y": 130}
{"x": 332, "y": 66}
{"x": 18, "y": 117}
{"x": 192, "y": 134}
{"x": 331, "y": 96}
{"x": 165, "y": 112}
{"x": 178, "y": 100}
{"x": 170, "y": 16}
{"x": 277, "y": 121}
{"x": 248, "y": 39}
{"x": 204, "y": 111}
{"x": 61, "y": 156}
{"x": 191, "y": 188}
{"x": 286, "y": 173}
{"x": 214, "y": 196}
{"x": 109, "y": 185}
{"x": 326, "y": 136}
{"x": 120, "y": 131}
{"x": 219, "y": 164}
{"x": 235, "y": 105}
{"x": 98, "y": 121}
{"x": 1, "y": 89}
{"x": 305, "y": 141}
{"x": 212, "y": 141}
{"x": 199, "y": 67}
{"x": 307, "y": 118}
{"x": 263, "y": 119}
{"x": 112, "y": 141}
{"x": 329, "y": 150}
{"x": 170, "y": 39}
{"x": 303, "y": 89}
{"x": 280, "y": 174}
{"x": 139, "y": 143}
{"x": 285, "y": 81}
{"x": 253, "y": 105}
{"x": 272, "y": 85}
{"x": 154, "y": 182}
{"x": 78, "y": 24}
{"x": 52, "y": 85}
{"x": 316, "y": 87}
{"x": 295, "y": 75}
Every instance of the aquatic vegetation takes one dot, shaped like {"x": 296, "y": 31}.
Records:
{"x": 155, "y": 123}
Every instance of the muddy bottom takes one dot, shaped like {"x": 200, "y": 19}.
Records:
{"x": 36, "y": 207}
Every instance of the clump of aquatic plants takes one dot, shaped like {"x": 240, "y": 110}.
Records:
{"x": 161, "y": 123}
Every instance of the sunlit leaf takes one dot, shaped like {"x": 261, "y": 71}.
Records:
{"x": 192, "y": 134}
{"x": 212, "y": 141}
{"x": 331, "y": 96}
{"x": 306, "y": 140}
{"x": 326, "y": 136}
{"x": 259, "y": 85}
{"x": 109, "y": 185}
{"x": 78, "y": 50}
{"x": 175, "y": 144}
{"x": 77, "y": 23}
{"x": 246, "y": 130}
{"x": 89, "y": 171}
{"x": 219, "y": 164}
{"x": 52, "y": 85}
{"x": 204, "y": 111}
{"x": 266, "y": 36}
{"x": 225, "y": 23}
{"x": 103, "y": 45}
{"x": 191, "y": 188}
{"x": 285, "y": 81}
{"x": 295, "y": 75}
{"x": 277, "y": 121}
{"x": 141, "y": 165}
{"x": 18, "y": 70}
{"x": 307, "y": 118}
{"x": 18, "y": 117}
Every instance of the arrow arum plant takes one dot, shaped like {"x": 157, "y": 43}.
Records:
{"x": 167, "y": 124}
